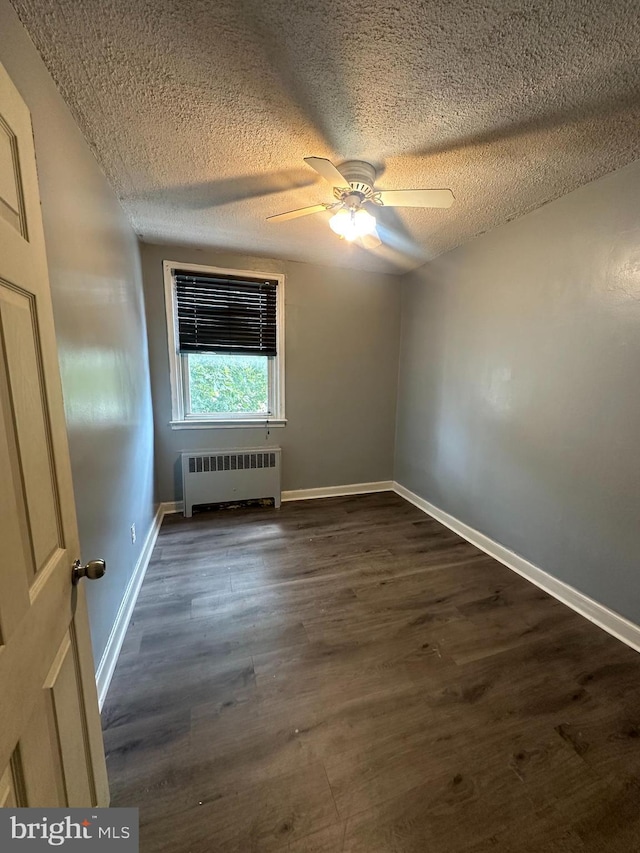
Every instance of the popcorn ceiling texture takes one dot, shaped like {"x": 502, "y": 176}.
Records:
{"x": 201, "y": 112}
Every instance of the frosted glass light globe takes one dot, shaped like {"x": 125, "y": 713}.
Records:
{"x": 351, "y": 224}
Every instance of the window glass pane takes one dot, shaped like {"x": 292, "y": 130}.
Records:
{"x": 228, "y": 384}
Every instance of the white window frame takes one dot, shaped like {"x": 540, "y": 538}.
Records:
{"x": 178, "y": 367}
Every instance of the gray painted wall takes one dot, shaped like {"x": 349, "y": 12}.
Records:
{"x": 96, "y": 284}
{"x": 342, "y": 338}
{"x": 519, "y": 400}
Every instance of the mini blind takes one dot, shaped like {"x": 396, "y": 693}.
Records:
{"x": 225, "y": 313}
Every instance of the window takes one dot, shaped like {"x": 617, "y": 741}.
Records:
{"x": 225, "y": 330}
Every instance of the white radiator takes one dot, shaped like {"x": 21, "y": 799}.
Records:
{"x": 216, "y": 476}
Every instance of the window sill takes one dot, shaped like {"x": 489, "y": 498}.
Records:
{"x": 230, "y": 423}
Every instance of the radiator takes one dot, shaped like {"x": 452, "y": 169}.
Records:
{"x": 215, "y": 476}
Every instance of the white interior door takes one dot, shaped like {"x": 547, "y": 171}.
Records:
{"x": 51, "y": 751}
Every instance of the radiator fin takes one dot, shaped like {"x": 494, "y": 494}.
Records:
{"x": 230, "y": 462}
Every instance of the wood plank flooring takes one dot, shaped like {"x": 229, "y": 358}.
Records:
{"x": 348, "y": 676}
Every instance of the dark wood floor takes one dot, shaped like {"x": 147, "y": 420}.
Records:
{"x": 349, "y": 675}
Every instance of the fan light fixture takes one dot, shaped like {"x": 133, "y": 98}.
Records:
{"x": 353, "y": 187}
{"x": 352, "y": 224}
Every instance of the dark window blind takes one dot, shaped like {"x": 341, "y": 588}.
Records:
{"x": 226, "y": 313}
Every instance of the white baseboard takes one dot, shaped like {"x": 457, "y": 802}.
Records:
{"x": 169, "y": 507}
{"x": 109, "y": 659}
{"x": 308, "y": 494}
{"x": 615, "y": 624}
{"x": 338, "y": 491}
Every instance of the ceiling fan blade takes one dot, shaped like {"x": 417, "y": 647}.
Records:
{"x": 416, "y": 198}
{"x": 301, "y": 211}
{"x": 327, "y": 170}
{"x": 371, "y": 241}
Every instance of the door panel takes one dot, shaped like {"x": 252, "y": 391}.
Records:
{"x": 11, "y": 198}
{"x": 39, "y": 758}
{"x": 7, "y": 795}
{"x": 62, "y": 685}
{"x": 23, "y": 374}
{"x": 14, "y": 589}
{"x": 51, "y": 749}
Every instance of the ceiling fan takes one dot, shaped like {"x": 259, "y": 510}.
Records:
{"x": 353, "y": 187}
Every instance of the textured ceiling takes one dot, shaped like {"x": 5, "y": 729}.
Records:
{"x": 201, "y": 112}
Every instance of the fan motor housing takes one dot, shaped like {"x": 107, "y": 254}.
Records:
{"x": 361, "y": 176}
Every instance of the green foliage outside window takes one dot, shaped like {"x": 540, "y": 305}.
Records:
{"x": 228, "y": 383}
